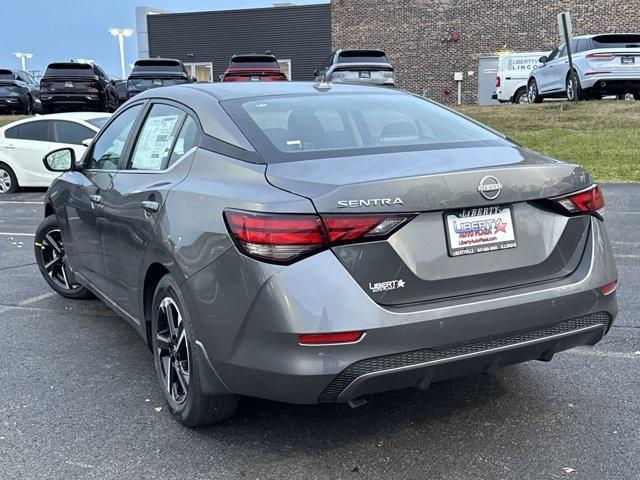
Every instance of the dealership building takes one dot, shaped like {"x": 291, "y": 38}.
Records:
{"x": 427, "y": 41}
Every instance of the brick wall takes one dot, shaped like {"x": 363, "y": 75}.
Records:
{"x": 416, "y": 34}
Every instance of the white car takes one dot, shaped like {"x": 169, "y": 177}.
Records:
{"x": 513, "y": 73}
{"x": 23, "y": 145}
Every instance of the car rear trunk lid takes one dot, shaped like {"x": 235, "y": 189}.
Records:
{"x": 416, "y": 263}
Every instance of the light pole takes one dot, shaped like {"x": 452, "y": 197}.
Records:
{"x": 121, "y": 33}
{"x": 23, "y": 56}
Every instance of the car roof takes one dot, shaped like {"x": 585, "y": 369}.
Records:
{"x": 77, "y": 116}
{"x": 234, "y": 90}
{"x": 592, "y": 35}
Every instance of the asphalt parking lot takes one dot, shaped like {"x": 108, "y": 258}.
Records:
{"x": 79, "y": 398}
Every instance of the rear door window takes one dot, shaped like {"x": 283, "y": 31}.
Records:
{"x": 156, "y": 138}
{"x": 186, "y": 140}
{"x": 39, "y": 131}
{"x": 71, "y": 132}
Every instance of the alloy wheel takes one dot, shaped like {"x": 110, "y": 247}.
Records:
{"x": 570, "y": 89}
{"x": 523, "y": 98}
{"x": 533, "y": 92}
{"x": 54, "y": 259}
{"x": 173, "y": 350}
{"x": 5, "y": 181}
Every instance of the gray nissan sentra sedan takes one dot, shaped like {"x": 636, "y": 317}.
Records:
{"x": 319, "y": 243}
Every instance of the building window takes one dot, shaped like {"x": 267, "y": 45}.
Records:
{"x": 202, "y": 71}
{"x": 285, "y": 66}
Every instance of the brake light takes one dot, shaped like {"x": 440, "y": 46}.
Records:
{"x": 326, "y": 338}
{"x": 601, "y": 55}
{"x": 608, "y": 288}
{"x": 589, "y": 201}
{"x": 498, "y": 81}
{"x": 285, "y": 238}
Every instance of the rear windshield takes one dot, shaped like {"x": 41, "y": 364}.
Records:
{"x": 168, "y": 66}
{"x": 6, "y": 75}
{"x": 98, "y": 121}
{"x": 616, "y": 41}
{"x": 254, "y": 61}
{"x": 69, "y": 70}
{"x": 362, "y": 57}
{"x": 301, "y": 127}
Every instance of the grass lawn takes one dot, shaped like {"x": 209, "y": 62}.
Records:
{"x": 603, "y": 137}
{"x": 4, "y": 119}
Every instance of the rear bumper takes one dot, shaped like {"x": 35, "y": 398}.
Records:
{"x": 72, "y": 99}
{"x": 250, "y": 334}
{"x": 13, "y": 101}
{"x": 608, "y": 84}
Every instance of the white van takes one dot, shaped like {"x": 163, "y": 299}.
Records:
{"x": 513, "y": 73}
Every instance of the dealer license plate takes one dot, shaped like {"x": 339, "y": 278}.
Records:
{"x": 157, "y": 82}
{"x": 479, "y": 230}
{"x": 68, "y": 84}
{"x": 627, "y": 60}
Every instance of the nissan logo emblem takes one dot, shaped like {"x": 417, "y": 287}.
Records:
{"x": 490, "y": 187}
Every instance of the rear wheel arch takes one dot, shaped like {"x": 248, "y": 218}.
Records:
{"x": 152, "y": 277}
{"x": 49, "y": 210}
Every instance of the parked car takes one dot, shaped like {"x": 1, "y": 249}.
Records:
{"x": 357, "y": 66}
{"x": 24, "y": 143}
{"x": 253, "y": 67}
{"x": 77, "y": 86}
{"x": 308, "y": 245}
{"x": 19, "y": 92}
{"x": 607, "y": 64}
{"x": 156, "y": 72}
{"x": 121, "y": 90}
{"x": 513, "y": 74}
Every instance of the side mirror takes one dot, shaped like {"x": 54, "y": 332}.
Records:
{"x": 61, "y": 160}
{"x": 543, "y": 59}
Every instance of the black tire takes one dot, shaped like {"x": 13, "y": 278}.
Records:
{"x": 573, "y": 89}
{"x": 52, "y": 261}
{"x": 8, "y": 180}
{"x": 636, "y": 96}
{"x": 170, "y": 322}
{"x": 521, "y": 96}
{"x": 533, "y": 93}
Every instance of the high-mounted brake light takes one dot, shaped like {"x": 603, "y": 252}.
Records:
{"x": 588, "y": 201}
{"x": 285, "y": 238}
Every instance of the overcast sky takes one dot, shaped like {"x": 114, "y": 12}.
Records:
{"x": 56, "y": 30}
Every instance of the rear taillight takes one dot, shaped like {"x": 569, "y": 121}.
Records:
{"x": 498, "y": 81}
{"x": 285, "y": 238}
{"x": 588, "y": 201}
{"x": 601, "y": 55}
{"x": 608, "y": 288}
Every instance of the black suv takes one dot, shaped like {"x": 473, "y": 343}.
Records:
{"x": 77, "y": 86}
{"x": 156, "y": 72}
{"x": 19, "y": 92}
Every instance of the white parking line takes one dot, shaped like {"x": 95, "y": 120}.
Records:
{"x": 11, "y": 234}
{"x": 35, "y": 299}
{"x": 626, "y": 256}
{"x": 12, "y": 202}
{"x": 627, "y": 244}
{"x": 597, "y": 353}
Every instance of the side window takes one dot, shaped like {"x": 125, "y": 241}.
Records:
{"x": 154, "y": 143}
{"x": 39, "y": 131}
{"x": 70, "y": 132}
{"x": 563, "y": 51}
{"x": 108, "y": 148}
{"x": 11, "y": 132}
{"x": 186, "y": 139}
{"x": 553, "y": 55}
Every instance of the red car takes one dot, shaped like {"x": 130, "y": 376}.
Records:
{"x": 253, "y": 67}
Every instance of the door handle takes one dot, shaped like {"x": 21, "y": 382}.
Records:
{"x": 150, "y": 206}
{"x": 95, "y": 198}
{"x": 9, "y": 146}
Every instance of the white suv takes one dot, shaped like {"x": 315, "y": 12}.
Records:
{"x": 607, "y": 64}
